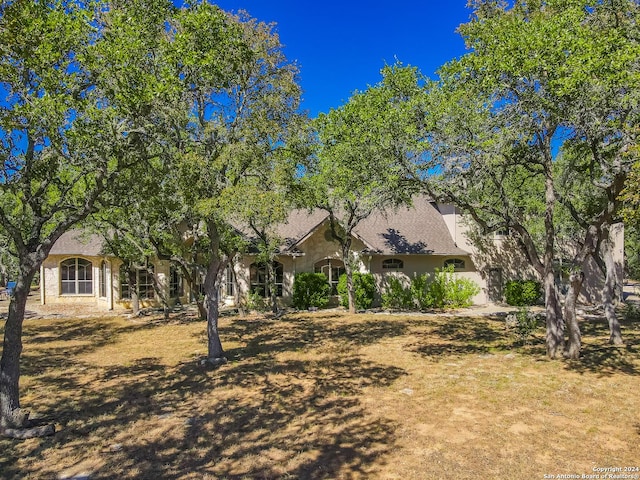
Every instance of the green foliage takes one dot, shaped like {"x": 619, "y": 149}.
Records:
{"x": 447, "y": 290}
{"x": 310, "y": 290}
{"x": 522, "y": 292}
{"x": 443, "y": 289}
{"x": 526, "y": 323}
{"x": 357, "y": 167}
{"x": 396, "y": 295}
{"x": 631, "y": 312}
{"x": 420, "y": 292}
{"x": 364, "y": 289}
{"x": 256, "y": 302}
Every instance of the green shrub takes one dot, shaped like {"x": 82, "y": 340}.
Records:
{"x": 521, "y": 293}
{"x": 421, "y": 292}
{"x": 443, "y": 289}
{"x": 447, "y": 290}
{"x": 526, "y": 324}
{"x": 364, "y": 289}
{"x": 310, "y": 290}
{"x": 396, "y": 295}
{"x": 256, "y": 302}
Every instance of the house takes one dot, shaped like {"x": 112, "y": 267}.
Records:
{"x": 78, "y": 271}
{"x": 403, "y": 243}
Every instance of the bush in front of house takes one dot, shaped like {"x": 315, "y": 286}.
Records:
{"x": 443, "y": 289}
{"x": 310, "y": 290}
{"x": 522, "y": 293}
{"x": 448, "y": 290}
{"x": 364, "y": 289}
{"x": 397, "y": 296}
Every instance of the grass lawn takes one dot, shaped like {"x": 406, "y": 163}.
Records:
{"x": 323, "y": 396}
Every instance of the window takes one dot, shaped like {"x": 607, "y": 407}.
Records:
{"x": 392, "y": 264}
{"x": 103, "y": 279}
{"x": 143, "y": 279}
{"x": 332, "y": 269}
{"x": 228, "y": 281}
{"x": 76, "y": 277}
{"x": 176, "y": 289}
{"x": 458, "y": 263}
{"x": 259, "y": 281}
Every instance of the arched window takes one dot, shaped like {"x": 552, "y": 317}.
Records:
{"x": 260, "y": 282}
{"x": 392, "y": 264}
{"x": 332, "y": 268}
{"x": 76, "y": 277}
{"x": 458, "y": 263}
{"x": 143, "y": 279}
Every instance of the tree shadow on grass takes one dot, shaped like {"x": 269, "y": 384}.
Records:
{"x": 599, "y": 357}
{"x": 448, "y": 336}
{"x": 606, "y": 360}
{"x": 298, "y": 333}
{"x": 258, "y": 417}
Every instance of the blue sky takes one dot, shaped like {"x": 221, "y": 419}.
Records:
{"x": 340, "y": 46}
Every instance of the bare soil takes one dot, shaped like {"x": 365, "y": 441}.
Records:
{"x": 322, "y": 395}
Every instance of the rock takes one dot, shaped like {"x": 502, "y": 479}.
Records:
{"x": 77, "y": 476}
{"x": 407, "y": 391}
{"x": 214, "y": 362}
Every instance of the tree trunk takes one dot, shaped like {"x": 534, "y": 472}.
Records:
{"x": 271, "y": 283}
{"x": 608, "y": 293}
{"x": 555, "y": 327}
{"x": 215, "y": 352}
{"x": 237, "y": 298}
{"x": 574, "y": 344}
{"x": 346, "y": 250}
{"x": 161, "y": 292}
{"x": 11, "y": 416}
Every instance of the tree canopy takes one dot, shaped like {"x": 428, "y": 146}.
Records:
{"x": 540, "y": 76}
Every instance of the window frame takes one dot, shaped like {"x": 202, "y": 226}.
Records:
{"x": 147, "y": 290}
{"x": 176, "y": 284}
{"x": 258, "y": 281}
{"x": 388, "y": 264}
{"x": 71, "y": 267}
{"x": 458, "y": 263}
{"x": 335, "y": 269}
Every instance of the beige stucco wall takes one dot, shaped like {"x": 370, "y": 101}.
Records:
{"x": 50, "y": 286}
{"x": 415, "y": 265}
{"x": 51, "y": 283}
{"x": 503, "y": 253}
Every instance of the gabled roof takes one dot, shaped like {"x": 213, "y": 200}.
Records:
{"x": 78, "y": 242}
{"x": 418, "y": 229}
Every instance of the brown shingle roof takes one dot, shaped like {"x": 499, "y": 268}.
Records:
{"x": 78, "y": 242}
{"x": 419, "y": 229}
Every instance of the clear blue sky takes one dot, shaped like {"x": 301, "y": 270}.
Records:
{"x": 340, "y": 46}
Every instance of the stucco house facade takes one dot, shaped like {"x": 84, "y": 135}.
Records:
{"x": 402, "y": 243}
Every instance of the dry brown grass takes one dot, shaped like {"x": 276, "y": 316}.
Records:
{"x": 322, "y": 396}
